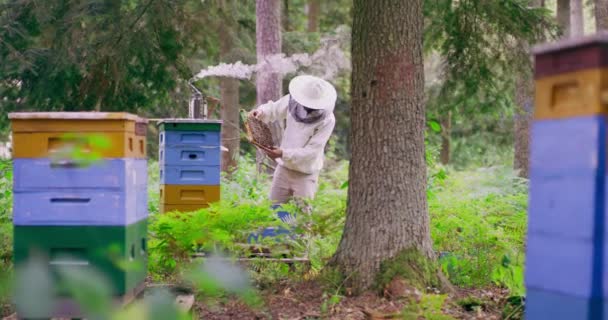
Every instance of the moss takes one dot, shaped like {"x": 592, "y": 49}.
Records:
{"x": 470, "y": 303}
{"x": 417, "y": 269}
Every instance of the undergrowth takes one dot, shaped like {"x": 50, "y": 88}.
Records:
{"x": 478, "y": 224}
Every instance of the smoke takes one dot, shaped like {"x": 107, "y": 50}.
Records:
{"x": 327, "y": 62}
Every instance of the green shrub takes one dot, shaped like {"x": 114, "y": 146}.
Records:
{"x": 478, "y": 223}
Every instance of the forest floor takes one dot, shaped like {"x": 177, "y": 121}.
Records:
{"x": 305, "y": 300}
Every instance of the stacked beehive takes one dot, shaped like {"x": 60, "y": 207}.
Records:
{"x": 189, "y": 161}
{"x": 567, "y": 262}
{"x": 87, "y": 215}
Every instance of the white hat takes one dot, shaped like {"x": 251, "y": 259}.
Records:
{"x": 313, "y": 92}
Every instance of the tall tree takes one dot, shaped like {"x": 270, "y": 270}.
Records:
{"x": 446, "y": 129}
{"x": 524, "y": 101}
{"x": 268, "y": 42}
{"x": 577, "y": 27}
{"x": 285, "y": 16}
{"x": 314, "y": 8}
{"x": 601, "y": 14}
{"x": 563, "y": 17}
{"x": 387, "y": 212}
{"x": 229, "y": 88}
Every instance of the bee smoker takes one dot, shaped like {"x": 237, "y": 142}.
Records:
{"x": 197, "y": 108}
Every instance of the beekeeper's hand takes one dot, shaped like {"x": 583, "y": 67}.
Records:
{"x": 274, "y": 153}
{"x": 256, "y": 113}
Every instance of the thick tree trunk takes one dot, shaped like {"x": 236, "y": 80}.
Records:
{"x": 576, "y": 18}
{"x": 268, "y": 42}
{"x": 601, "y": 14}
{"x": 446, "y": 130}
{"x": 314, "y": 7}
{"x": 387, "y": 210}
{"x": 563, "y": 17}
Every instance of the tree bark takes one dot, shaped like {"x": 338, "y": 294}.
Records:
{"x": 285, "y": 16}
{"x": 521, "y": 126}
{"x": 601, "y": 14}
{"x": 576, "y": 18}
{"x": 446, "y": 130}
{"x": 387, "y": 209}
{"x": 563, "y": 17}
{"x": 268, "y": 42}
{"x": 229, "y": 90}
{"x": 524, "y": 100}
{"x": 314, "y": 7}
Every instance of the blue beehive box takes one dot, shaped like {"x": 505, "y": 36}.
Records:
{"x": 190, "y": 175}
{"x": 112, "y": 192}
{"x": 567, "y": 191}
{"x": 555, "y": 306}
{"x": 566, "y": 266}
{"x": 189, "y": 157}
{"x": 189, "y": 138}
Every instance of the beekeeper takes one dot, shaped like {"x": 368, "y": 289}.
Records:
{"x": 306, "y": 115}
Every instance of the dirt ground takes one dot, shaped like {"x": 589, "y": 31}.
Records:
{"x": 304, "y": 301}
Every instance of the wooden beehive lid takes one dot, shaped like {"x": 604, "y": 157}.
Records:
{"x": 571, "y": 55}
{"x": 600, "y": 38}
{"x": 75, "y": 116}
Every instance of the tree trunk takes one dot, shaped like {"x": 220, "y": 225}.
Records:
{"x": 601, "y": 14}
{"x": 229, "y": 88}
{"x": 229, "y": 91}
{"x": 446, "y": 129}
{"x": 387, "y": 210}
{"x": 521, "y": 126}
{"x": 563, "y": 17}
{"x": 314, "y": 7}
{"x": 285, "y": 16}
{"x": 576, "y": 18}
{"x": 524, "y": 101}
{"x": 268, "y": 42}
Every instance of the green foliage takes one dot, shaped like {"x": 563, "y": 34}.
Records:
{"x": 6, "y": 190}
{"x": 482, "y": 45}
{"x": 6, "y": 212}
{"x": 478, "y": 224}
{"x": 176, "y": 236}
{"x": 81, "y": 150}
{"x": 34, "y": 285}
{"x": 85, "y": 55}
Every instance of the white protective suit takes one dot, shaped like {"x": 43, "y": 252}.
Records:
{"x": 303, "y": 148}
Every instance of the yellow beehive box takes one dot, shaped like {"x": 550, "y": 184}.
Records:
{"x": 573, "y": 94}
{"x": 42, "y": 134}
{"x": 181, "y": 207}
{"x": 189, "y": 194}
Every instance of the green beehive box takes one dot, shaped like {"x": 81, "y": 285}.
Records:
{"x": 190, "y": 125}
{"x": 119, "y": 253}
